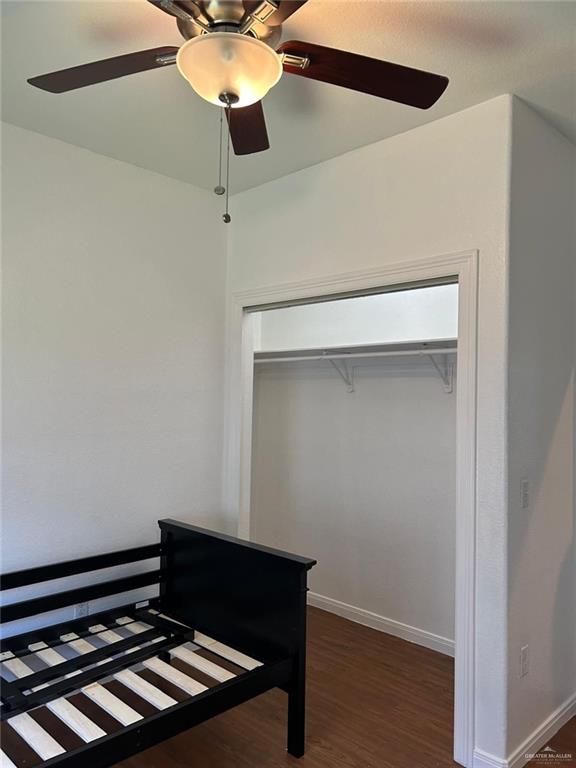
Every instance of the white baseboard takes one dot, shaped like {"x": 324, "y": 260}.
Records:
{"x": 537, "y": 740}
{"x": 486, "y": 760}
{"x": 540, "y": 737}
{"x": 382, "y": 624}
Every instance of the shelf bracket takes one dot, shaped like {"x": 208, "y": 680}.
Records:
{"x": 345, "y": 373}
{"x": 445, "y": 371}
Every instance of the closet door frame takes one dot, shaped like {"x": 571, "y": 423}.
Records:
{"x": 463, "y": 267}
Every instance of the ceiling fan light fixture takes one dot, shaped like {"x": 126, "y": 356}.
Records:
{"x": 229, "y": 63}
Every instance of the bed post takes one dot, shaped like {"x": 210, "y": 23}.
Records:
{"x": 297, "y": 687}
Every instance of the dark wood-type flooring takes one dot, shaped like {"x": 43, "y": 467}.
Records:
{"x": 374, "y": 701}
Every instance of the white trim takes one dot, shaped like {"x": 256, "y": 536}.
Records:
{"x": 540, "y": 737}
{"x": 383, "y": 624}
{"x": 486, "y": 760}
{"x": 238, "y": 433}
{"x": 537, "y": 740}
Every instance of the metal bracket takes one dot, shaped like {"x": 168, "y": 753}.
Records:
{"x": 345, "y": 373}
{"x": 260, "y": 15}
{"x": 166, "y": 58}
{"x": 445, "y": 371}
{"x": 295, "y": 60}
{"x": 180, "y": 13}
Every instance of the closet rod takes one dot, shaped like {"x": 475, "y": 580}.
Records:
{"x": 349, "y": 355}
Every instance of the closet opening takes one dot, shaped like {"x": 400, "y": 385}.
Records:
{"x": 249, "y": 338}
{"x": 353, "y": 460}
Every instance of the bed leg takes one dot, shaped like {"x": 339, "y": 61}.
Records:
{"x": 297, "y": 711}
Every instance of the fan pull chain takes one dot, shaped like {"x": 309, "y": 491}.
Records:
{"x": 219, "y": 189}
{"x": 226, "y": 217}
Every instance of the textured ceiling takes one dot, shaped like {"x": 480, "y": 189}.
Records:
{"x": 154, "y": 120}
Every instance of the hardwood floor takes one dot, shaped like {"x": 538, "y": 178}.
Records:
{"x": 374, "y": 701}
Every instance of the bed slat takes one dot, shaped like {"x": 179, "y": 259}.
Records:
{"x": 144, "y": 689}
{"x": 111, "y": 704}
{"x": 76, "y": 720}
{"x": 35, "y": 736}
{"x": 204, "y": 665}
{"x": 236, "y": 657}
{"x": 5, "y": 761}
{"x": 173, "y": 675}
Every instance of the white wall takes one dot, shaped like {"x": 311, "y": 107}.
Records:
{"x": 542, "y": 569}
{"x": 439, "y": 189}
{"x": 365, "y": 481}
{"x": 423, "y": 314}
{"x": 113, "y": 300}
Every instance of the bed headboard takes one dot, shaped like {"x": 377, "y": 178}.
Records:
{"x": 247, "y": 595}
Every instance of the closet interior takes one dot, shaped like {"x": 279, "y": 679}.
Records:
{"x": 353, "y": 453}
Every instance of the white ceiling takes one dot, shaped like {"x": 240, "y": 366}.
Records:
{"x": 154, "y": 120}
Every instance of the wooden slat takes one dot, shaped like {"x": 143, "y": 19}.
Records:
{"x": 144, "y": 689}
{"x": 95, "y": 713}
{"x": 204, "y": 665}
{"x": 111, "y": 704}
{"x": 50, "y": 657}
{"x": 5, "y": 761}
{"x": 195, "y": 674}
{"x": 107, "y": 635}
{"x": 21, "y": 670}
{"x": 17, "y": 667}
{"x": 80, "y": 645}
{"x": 136, "y": 627}
{"x": 47, "y": 655}
{"x": 76, "y": 720}
{"x": 173, "y": 675}
{"x": 241, "y": 659}
{"x": 55, "y": 727}
{"x": 35, "y": 736}
{"x": 141, "y": 706}
{"x": 163, "y": 684}
{"x": 219, "y": 661}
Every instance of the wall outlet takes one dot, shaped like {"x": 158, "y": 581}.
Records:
{"x": 81, "y": 610}
{"x": 524, "y": 661}
{"x": 524, "y": 494}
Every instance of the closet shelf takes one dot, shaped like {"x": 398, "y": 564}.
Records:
{"x": 338, "y": 357}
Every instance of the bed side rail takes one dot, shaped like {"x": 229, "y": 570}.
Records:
{"x": 244, "y": 594}
{"x": 39, "y": 605}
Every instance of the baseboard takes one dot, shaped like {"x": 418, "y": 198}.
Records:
{"x": 537, "y": 741}
{"x": 540, "y": 737}
{"x": 486, "y": 760}
{"x": 382, "y": 624}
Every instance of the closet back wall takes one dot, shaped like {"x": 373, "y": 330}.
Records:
{"x": 364, "y": 481}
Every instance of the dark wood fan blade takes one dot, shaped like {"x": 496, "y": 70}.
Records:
{"x": 100, "y": 71}
{"x": 285, "y": 9}
{"x": 248, "y": 129}
{"x": 405, "y": 85}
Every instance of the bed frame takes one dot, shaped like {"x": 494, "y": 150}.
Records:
{"x": 229, "y": 623}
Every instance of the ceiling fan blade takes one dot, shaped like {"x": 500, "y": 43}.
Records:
{"x": 285, "y": 9}
{"x": 405, "y": 85}
{"x": 107, "y": 69}
{"x": 248, "y": 129}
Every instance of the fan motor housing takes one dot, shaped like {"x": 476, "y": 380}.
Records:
{"x": 224, "y": 16}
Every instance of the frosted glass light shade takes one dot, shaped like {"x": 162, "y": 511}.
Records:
{"x": 227, "y": 62}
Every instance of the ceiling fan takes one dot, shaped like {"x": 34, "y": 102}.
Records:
{"x": 232, "y": 58}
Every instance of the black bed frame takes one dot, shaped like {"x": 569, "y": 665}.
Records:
{"x": 248, "y": 596}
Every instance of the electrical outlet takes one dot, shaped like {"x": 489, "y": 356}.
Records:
{"x": 524, "y": 494}
{"x": 524, "y": 661}
{"x": 81, "y": 610}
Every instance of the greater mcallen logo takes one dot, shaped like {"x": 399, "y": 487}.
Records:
{"x": 549, "y": 755}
